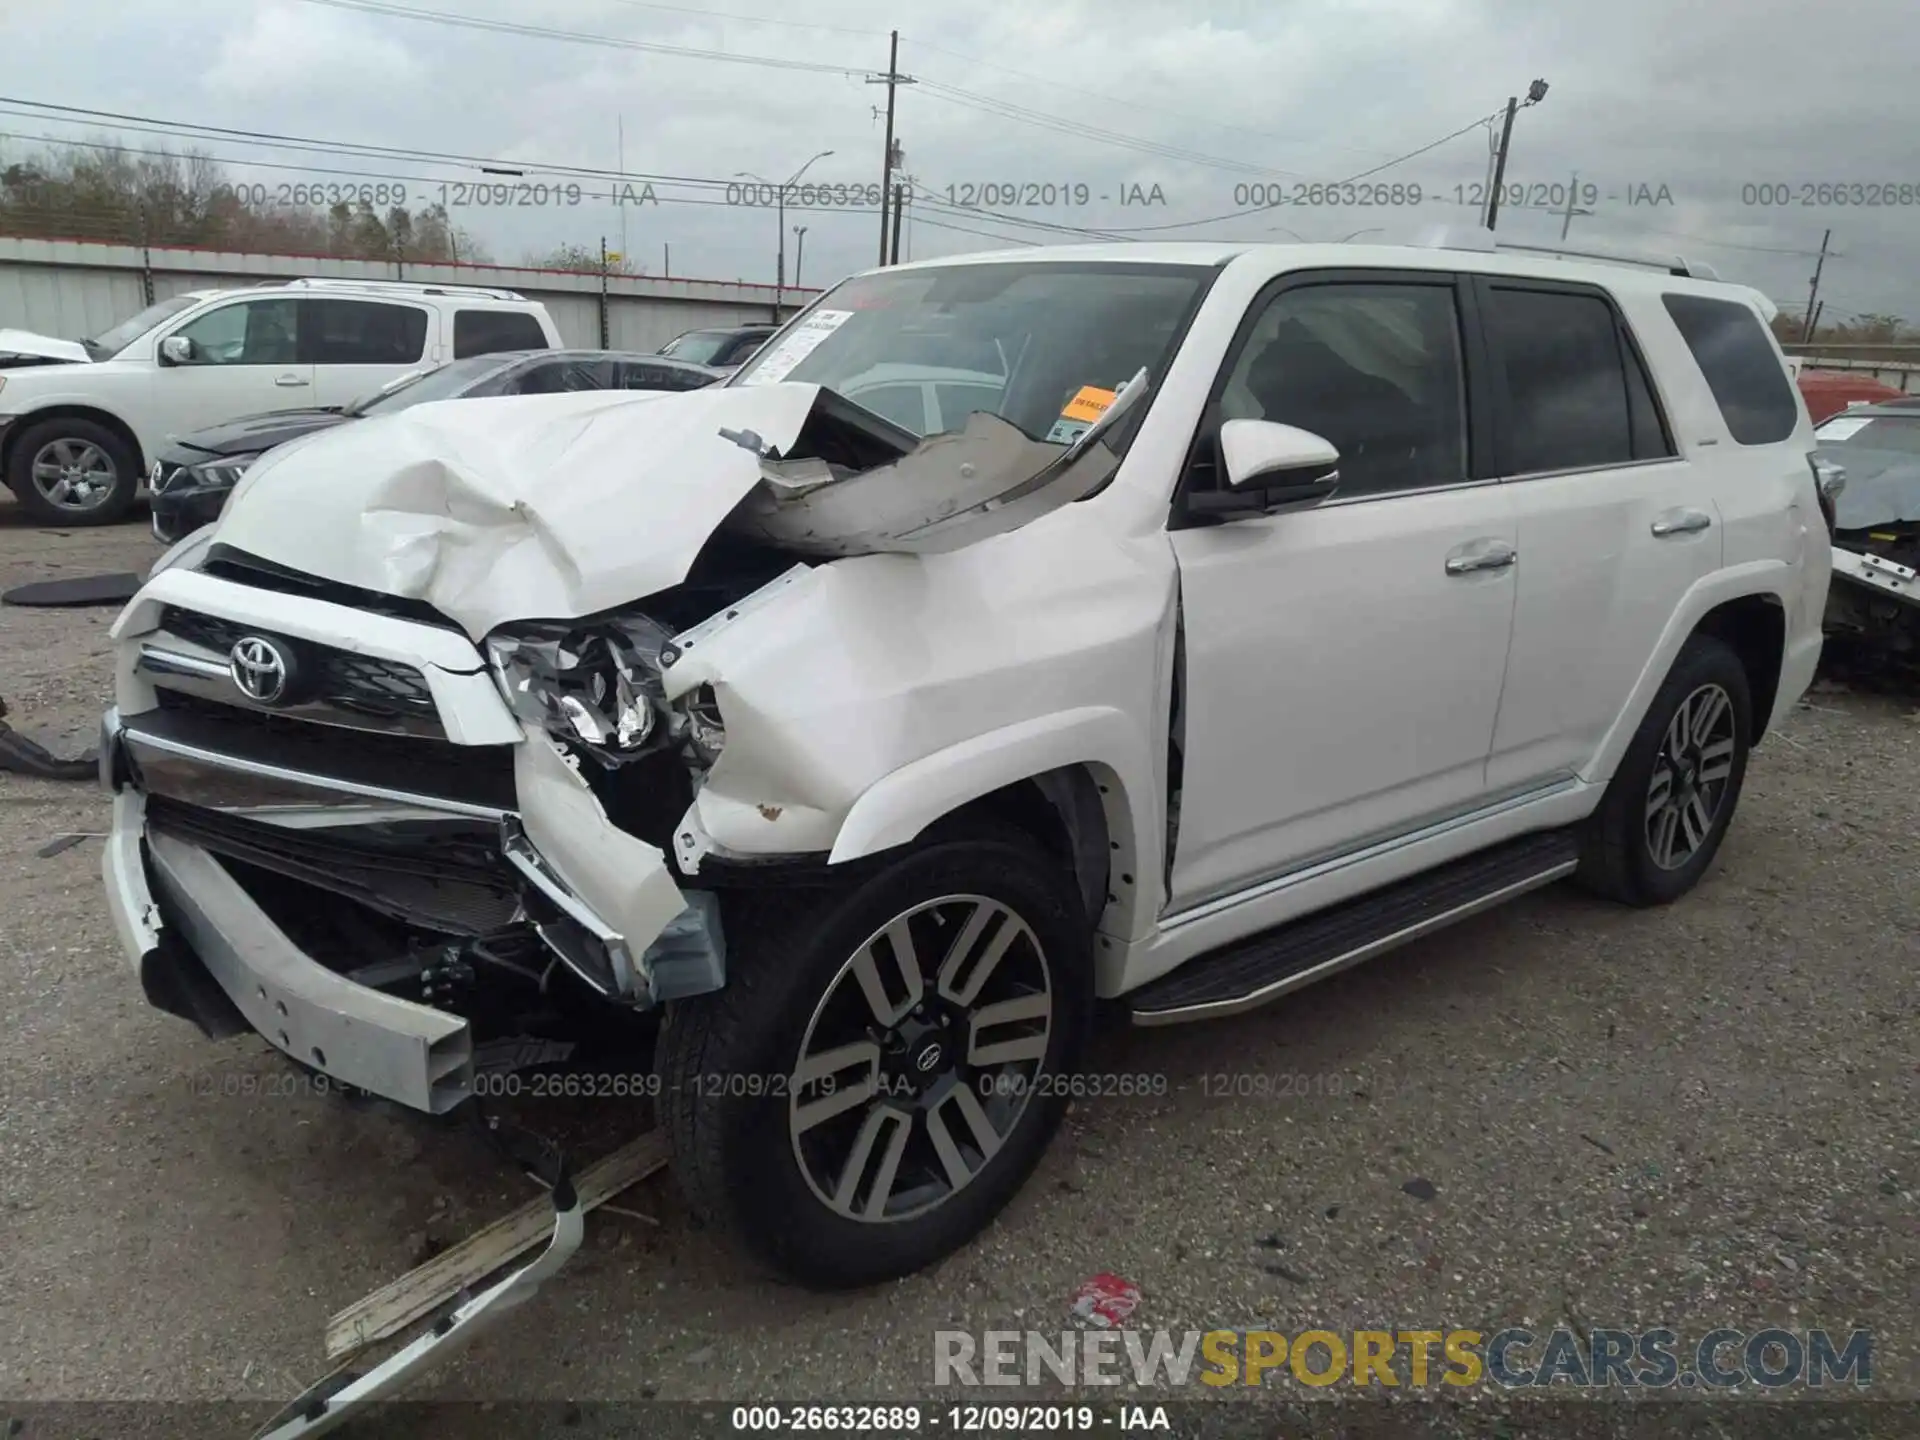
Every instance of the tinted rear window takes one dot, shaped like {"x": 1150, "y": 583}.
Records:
{"x": 1568, "y": 403}
{"x": 1746, "y": 376}
{"x": 483, "y": 332}
{"x": 362, "y": 332}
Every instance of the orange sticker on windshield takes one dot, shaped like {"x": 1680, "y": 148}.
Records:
{"x": 1089, "y": 405}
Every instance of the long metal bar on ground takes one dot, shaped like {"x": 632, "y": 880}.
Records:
{"x": 418, "y": 1293}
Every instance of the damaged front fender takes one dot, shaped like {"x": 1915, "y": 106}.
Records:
{"x": 621, "y": 922}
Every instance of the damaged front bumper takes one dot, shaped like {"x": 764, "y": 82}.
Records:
{"x": 230, "y": 853}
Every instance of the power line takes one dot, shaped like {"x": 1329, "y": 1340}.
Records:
{"x": 1130, "y": 104}
{"x": 576, "y": 37}
{"x": 1007, "y": 110}
{"x": 1268, "y": 209}
{"x": 751, "y": 19}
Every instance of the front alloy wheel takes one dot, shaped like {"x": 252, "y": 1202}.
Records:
{"x": 74, "y": 475}
{"x": 920, "y": 1059}
{"x": 881, "y": 1071}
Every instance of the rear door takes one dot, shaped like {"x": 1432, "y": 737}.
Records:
{"x": 1614, "y": 526}
{"x": 246, "y": 360}
{"x": 1343, "y": 663}
{"x": 356, "y": 346}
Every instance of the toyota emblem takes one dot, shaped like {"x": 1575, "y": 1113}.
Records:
{"x": 259, "y": 669}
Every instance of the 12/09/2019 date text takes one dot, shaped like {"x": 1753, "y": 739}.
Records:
{"x": 896, "y": 1419}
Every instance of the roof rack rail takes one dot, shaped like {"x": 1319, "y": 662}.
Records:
{"x": 413, "y": 287}
{"x": 1484, "y": 240}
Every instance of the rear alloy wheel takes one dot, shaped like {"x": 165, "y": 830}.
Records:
{"x": 1669, "y": 803}
{"x": 1690, "y": 776}
{"x": 881, "y": 1072}
{"x": 73, "y": 472}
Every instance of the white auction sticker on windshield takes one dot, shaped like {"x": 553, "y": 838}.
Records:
{"x": 1842, "y": 429}
{"x": 805, "y": 338}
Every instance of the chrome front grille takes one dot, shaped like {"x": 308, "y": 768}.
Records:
{"x": 190, "y": 651}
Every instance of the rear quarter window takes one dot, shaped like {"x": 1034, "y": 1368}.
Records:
{"x": 485, "y": 332}
{"x": 1749, "y": 383}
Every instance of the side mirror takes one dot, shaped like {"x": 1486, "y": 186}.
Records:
{"x": 1269, "y": 467}
{"x": 176, "y": 350}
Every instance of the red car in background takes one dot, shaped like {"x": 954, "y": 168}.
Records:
{"x": 1828, "y": 392}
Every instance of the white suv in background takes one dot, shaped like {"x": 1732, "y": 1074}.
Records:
{"x": 1272, "y": 606}
{"x": 80, "y": 422}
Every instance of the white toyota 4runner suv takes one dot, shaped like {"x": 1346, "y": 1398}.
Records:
{"x": 81, "y": 420}
{"x": 1282, "y": 604}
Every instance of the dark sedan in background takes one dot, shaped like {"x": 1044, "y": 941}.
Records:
{"x": 194, "y": 474}
{"x": 727, "y": 348}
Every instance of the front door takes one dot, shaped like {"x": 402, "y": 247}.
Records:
{"x": 1343, "y": 663}
{"x": 245, "y": 360}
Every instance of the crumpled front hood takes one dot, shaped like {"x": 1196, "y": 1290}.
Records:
{"x": 542, "y": 506}
{"x": 41, "y": 347}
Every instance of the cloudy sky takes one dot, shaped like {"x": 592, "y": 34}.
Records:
{"x": 1718, "y": 118}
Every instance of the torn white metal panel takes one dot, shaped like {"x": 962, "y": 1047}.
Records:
{"x": 621, "y": 880}
{"x": 1878, "y": 574}
{"x": 514, "y": 508}
{"x": 951, "y": 490}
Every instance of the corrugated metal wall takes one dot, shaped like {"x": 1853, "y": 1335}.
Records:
{"x": 71, "y": 289}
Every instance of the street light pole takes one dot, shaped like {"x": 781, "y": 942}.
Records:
{"x": 799, "y": 252}
{"x": 780, "y": 220}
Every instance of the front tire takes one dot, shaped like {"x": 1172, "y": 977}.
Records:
{"x": 72, "y": 471}
{"x": 1668, "y": 806}
{"x": 882, "y": 1070}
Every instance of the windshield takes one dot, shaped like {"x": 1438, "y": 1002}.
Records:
{"x": 444, "y": 382}
{"x": 1043, "y": 345}
{"x": 109, "y": 343}
{"x": 699, "y": 346}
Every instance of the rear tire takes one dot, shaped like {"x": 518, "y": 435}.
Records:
{"x": 943, "y": 1134}
{"x": 73, "y": 471}
{"x": 1668, "y": 806}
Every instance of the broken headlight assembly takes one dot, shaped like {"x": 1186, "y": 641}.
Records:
{"x": 594, "y": 684}
{"x": 597, "y": 684}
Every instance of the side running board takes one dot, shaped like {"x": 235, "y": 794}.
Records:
{"x": 1276, "y": 962}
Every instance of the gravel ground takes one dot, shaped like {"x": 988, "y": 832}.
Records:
{"x": 1696, "y": 1117}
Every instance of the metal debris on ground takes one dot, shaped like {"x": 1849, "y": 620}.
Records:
{"x": 1106, "y": 1301}
{"x": 26, "y": 757}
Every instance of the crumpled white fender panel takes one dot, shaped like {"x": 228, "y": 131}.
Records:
{"x": 872, "y": 664}
{"x": 539, "y": 506}
{"x": 624, "y": 880}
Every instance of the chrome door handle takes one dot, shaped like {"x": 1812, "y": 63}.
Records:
{"x": 291, "y": 380}
{"x": 1681, "y": 522}
{"x": 1496, "y": 555}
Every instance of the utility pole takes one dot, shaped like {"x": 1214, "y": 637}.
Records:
{"x": 899, "y": 208}
{"x": 622, "y": 163}
{"x": 1500, "y": 162}
{"x": 1573, "y": 191}
{"x": 604, "y": 345}
{"x": 1813, "y": 295}
{"x": 1536, "y": 92}
{"x": 892, "y": 78}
